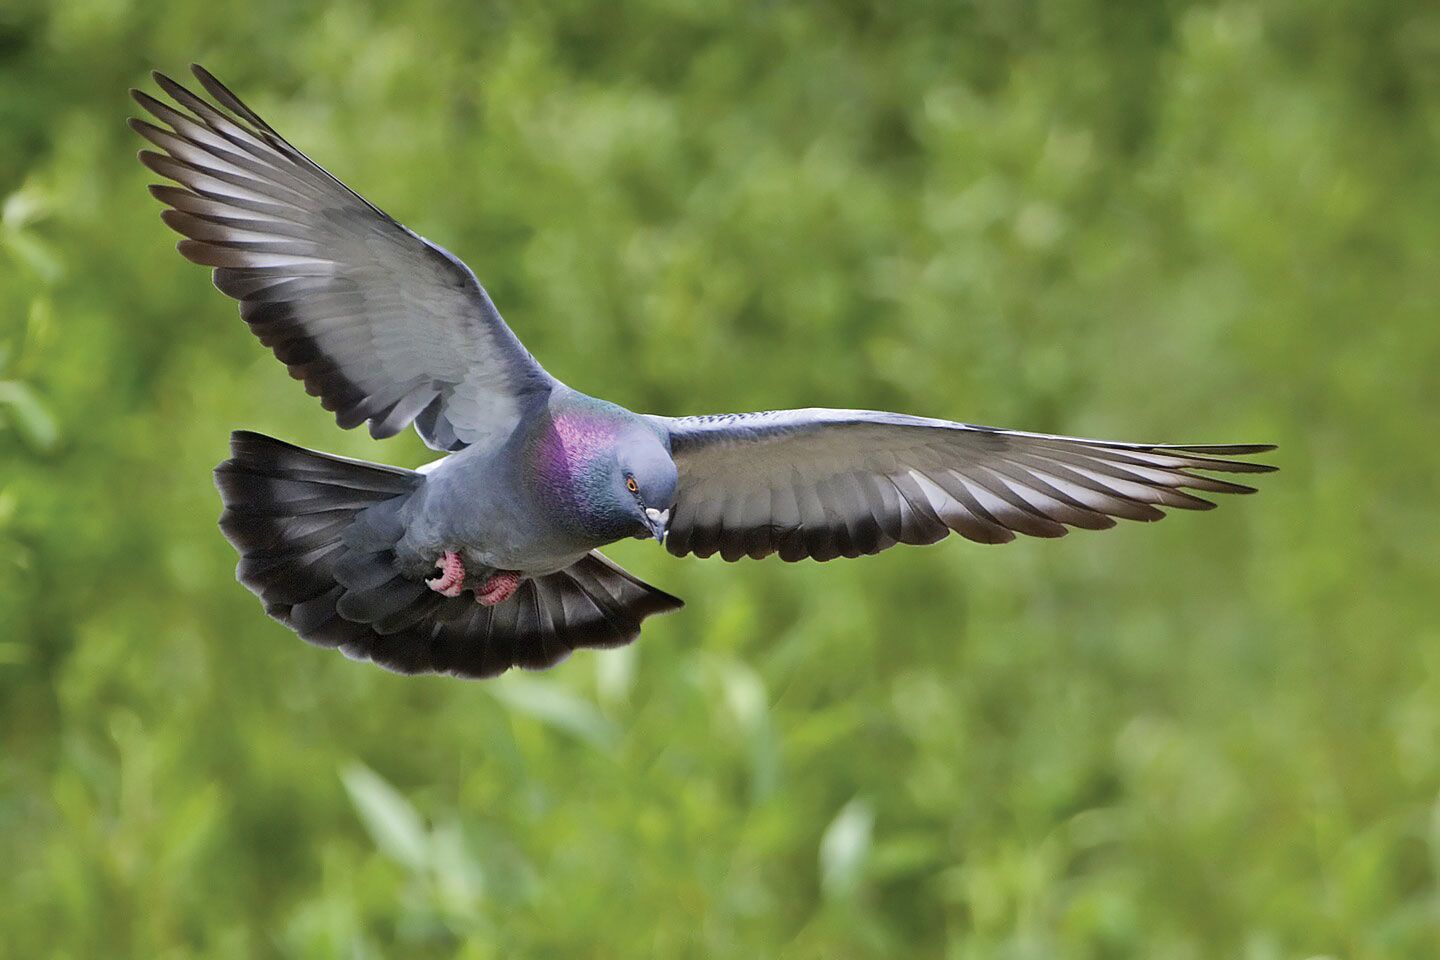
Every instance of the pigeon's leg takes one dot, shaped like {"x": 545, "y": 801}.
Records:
{"x": 449, "y": 579}
{"x": 497, "y": 588}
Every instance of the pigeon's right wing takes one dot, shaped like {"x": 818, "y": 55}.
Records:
{"x": 379, "y": 323}
{"x": 830, "y": 483}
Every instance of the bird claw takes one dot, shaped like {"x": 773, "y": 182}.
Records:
{"x": 449, "y": 581}
{"x": 451, "y": 577}
{"x": 497, "y": 588}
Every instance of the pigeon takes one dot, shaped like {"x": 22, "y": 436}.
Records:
{"x": 489, "y": 558}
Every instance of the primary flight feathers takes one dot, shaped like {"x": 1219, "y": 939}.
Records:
{"x": 386, "y": 327}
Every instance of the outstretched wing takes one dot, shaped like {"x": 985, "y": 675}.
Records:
{"x": 831, "y": 483}
{"x": 379, "y": 323}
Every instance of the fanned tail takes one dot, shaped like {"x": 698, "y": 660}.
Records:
{"x": 592, "y": 603}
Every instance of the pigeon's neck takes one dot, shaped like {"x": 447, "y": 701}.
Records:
{"x": 570, "y": 462}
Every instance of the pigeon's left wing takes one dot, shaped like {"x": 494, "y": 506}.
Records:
{"x": 379, "y": 323}
{"x": 831, "y": 483}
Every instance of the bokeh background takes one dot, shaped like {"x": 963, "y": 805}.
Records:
{"x": 1163, "y": 220}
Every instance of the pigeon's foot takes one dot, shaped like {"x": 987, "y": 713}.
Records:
{"x": 497, "y": 588}
{"x": 450, "y": 579}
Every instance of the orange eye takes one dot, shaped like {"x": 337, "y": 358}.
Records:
{"x": 631, "y": 485}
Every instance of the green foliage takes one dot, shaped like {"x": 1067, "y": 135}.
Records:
{"x": 1216, "y": 737}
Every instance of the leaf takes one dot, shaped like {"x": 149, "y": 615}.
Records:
{"x": 744, "y": 693}
{"x": 844, "y": 849}
{"x": 615, "y": 674}
{"x": 390, "y": 819}
{"x": 459, "y": 877}
{"x": 555, "y": 706}
{"x": 32, "y": 420}
{"x": 39, "y": 324}
{"x": 24, "y": 207}
{"x": 34, "y": 253}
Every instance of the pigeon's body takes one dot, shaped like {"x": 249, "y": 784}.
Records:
{"x": 476, "y": 502}
{"x": 489, "y": 558}
{"x": 522, "y": 502}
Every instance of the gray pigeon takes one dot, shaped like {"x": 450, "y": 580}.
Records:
{"x": 490, "y": 557}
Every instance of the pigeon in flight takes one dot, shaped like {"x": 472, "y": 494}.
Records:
{"x": 490, "y": 557}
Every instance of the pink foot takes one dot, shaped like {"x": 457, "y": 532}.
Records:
{"x": 452, "y": 575}
{"x": 498, "y": 588}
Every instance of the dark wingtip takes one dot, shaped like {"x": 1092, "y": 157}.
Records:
{"x": 208, "y": 79}
{"x": 146, "y": 101}
{"x": 1240, "y": 449}
{"x": 1214, "y": 452}
{"x": 154, "y": 162}
{"x": 225, "y": 96}
{"x": 662, "y": 602}
{"x": 174, "y": 88}
{"x": 195, "y": 251}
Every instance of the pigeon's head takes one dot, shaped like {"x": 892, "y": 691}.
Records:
{"x": 648, "y": 478}
{"x": 607, "y": 473}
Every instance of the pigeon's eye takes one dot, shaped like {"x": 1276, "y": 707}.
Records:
{"x": 631, "y": 485}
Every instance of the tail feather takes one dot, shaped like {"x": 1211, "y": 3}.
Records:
{"x": 317, "y": 533}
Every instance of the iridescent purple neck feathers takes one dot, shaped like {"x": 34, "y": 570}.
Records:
{"x": 567, "y": 447}
{"x": 595, "y": 468}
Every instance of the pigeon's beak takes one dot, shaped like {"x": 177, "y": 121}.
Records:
{"x": 658, "y": 521}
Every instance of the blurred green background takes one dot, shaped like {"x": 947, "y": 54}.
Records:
{"x": 1214, "y": 737}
